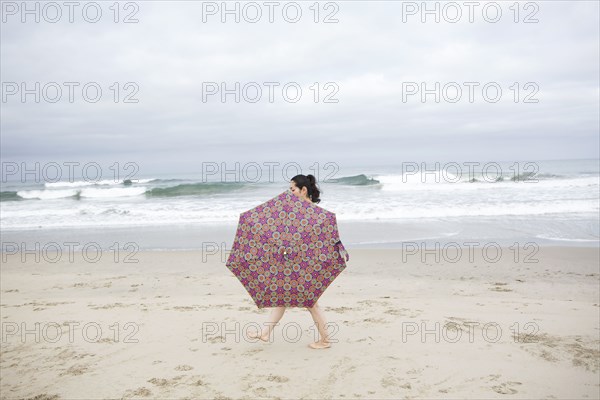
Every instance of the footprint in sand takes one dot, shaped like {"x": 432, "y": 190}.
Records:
{"x": 198, "y": 382}
{"x": 413, "y": 371}
{"x": 77, "y": 369}
{"x": 260, "y": 391}
{"x": 499, "y": 287}
{"x": 159, "y": 382}
{"x": 583, "y": 356}
{"x": 108, "y": 306}
{"x": 375, "y": 320}
{"x": 394, "y": 381}
{"x": 142, "y": 391}
{"x": 183, "y": 367}
{"x": 216, "y": 339}
{"x": 506, "y": 388}
{"x": 68, "y": 354}
{"x": 394, "y": 311}
{"x": 277, "y": 378}
{"x": 165, "y": 382}
{"x": 374, "y": 302}
{"x": 184, "y": 308}
{"x": 339, "y": 310}
{"x": 253, "y": 351}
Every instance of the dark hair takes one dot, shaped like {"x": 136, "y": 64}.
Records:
{"x": 310, "y": 183}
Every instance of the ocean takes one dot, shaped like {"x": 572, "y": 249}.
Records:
{"x": 545, "y": 202}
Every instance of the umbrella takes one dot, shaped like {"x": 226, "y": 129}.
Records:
{"x": 286, "y": 252}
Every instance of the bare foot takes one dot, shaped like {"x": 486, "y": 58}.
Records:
{"x": 320, "y": 345}
{"x": 256, "y": 335}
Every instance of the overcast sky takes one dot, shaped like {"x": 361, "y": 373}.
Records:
{"x": 376, "y": 54}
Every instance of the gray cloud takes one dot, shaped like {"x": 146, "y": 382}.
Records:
{"x": 369, "y": 54}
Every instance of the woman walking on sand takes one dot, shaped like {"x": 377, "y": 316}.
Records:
{"x": 305, "y": 187}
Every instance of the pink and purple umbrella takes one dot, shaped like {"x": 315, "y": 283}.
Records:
{"x": 286, "y": 252}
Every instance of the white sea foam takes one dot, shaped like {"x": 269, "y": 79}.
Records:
{"x": 398, "y": 198}
{"x": 84, "y": 183}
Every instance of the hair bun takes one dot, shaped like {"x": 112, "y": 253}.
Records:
{"x": 310, "y": 182}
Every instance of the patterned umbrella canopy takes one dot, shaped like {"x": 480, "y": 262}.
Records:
{"x": 286, "y": 252}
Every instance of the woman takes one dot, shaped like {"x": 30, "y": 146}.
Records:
{"x": 304, "y": 187}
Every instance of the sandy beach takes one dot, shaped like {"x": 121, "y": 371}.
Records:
{"x": 452, "y": 148}
{"x": 172, "y": 326}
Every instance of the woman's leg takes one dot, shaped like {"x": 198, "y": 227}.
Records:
{"x": 319, "y": 317}
{"x": 274, "y": 317}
